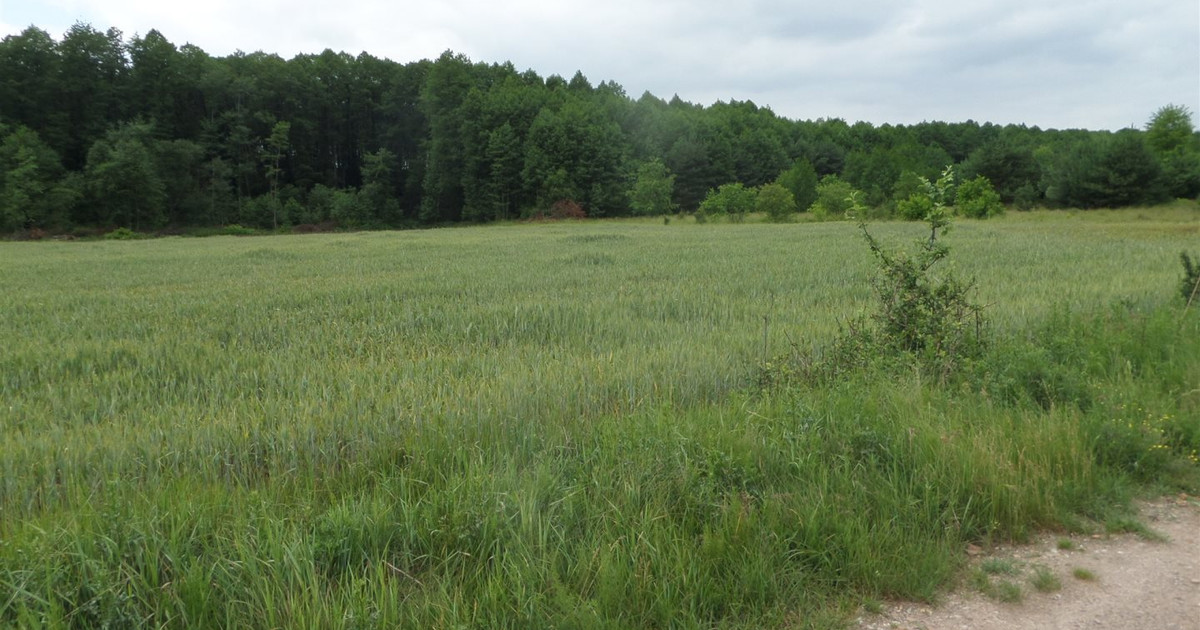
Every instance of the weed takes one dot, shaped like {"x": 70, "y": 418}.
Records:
{"x": 1131, "y": 525}
{"x": 123, "y": 234}
{"x": 1008, "y": 592}
{"x": 1189, "y": 286}
{"x": 1066, "y": 544}
{"x": 998, "y": 566}
{"x": 1045, "y": 581}
{"x": 1002, "y": 590}
{"x": 1083, "y": 574}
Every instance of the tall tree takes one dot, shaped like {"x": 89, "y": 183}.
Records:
{"x": 35, "y": 192}
{"x": 1173, "y": 140}
{"x": 801, "y": 181}
{"x": 94, "y": 71}
{"x": 445, "y": 89}
{"x": 30, "y": 86}
{"x": 123, "y": 183}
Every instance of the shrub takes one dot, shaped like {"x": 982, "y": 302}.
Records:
{"x": 918, "y": 313}
{"x": 916, "y": 207}
{"x": 833, "y": 197}
{"x": 776, "y": 202}
{"x": 734, "y": 200}
{"x": 1189, "y": 286}
{"x": 977, "y": 199}
{"x": 919, "y": 319}
{"x": 567, "y": 209}
{"x": 122, "y": 234}
{"x": 237, "y": 230}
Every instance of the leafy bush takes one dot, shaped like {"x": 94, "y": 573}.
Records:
{"x": 833, "y": 198}
{"x": 801, "y": 181}
{"x": 776, "y": 202}
{"x": 977, "y": 199}
{"x": 237, "y": 230}
{"x": 734, "y": 200}
{"x": 916, "y": 207}
{"x": 652, "y": 189}
{"x": 919, "y": 319}
{"x": 917, "y": 312}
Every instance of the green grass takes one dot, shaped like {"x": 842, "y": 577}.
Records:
{"x": 999, "y": 566}
{"x": 1083, "y": 574}
{"x": 1045, "y": 581}
{"x": 555, "y": 424}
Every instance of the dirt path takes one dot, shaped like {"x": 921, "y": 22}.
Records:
{"x": 1138, "y": 584}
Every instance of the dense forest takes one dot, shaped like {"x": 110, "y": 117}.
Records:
{"x": 100, "y": 131}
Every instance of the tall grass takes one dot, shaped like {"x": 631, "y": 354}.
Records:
{"x": 551, "y": 425}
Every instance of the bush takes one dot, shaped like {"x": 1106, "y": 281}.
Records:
{"x": 977, "y": 199}
{"x": 833, "y": 198}
{"x": 915, "y": 208}
{"x": 123, "y": 234}
{"x": 237, "y": 230}
{"x": 776, "y": 202}
{"x": 1189, "y": 286}
{"x": 919, "y": 319}
{"x": 734, "y": 200}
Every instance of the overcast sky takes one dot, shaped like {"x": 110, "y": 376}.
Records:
{"x": 1098, "y": 64}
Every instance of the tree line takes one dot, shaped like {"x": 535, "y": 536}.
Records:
{"x": 101, "y": 131}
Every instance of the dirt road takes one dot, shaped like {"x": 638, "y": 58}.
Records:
{"x": 1137, "y": 584}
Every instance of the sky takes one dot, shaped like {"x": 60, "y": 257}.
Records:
{"x": 1094, "y": 64}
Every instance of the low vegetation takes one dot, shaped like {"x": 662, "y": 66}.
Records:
{"x": 565, "y": 424}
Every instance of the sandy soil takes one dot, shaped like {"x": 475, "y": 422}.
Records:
{"x": 1138, "y": 584}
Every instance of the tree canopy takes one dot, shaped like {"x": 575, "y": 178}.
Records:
{"x": 101, "y": 130}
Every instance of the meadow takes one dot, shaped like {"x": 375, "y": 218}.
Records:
{"x": 558, "y": 424}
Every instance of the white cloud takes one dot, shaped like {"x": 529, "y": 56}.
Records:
{"x": 1075, "y": 63}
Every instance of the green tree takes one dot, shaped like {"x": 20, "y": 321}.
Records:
{"x": 776, "y": 202}
{"x": 93, "y": 81}
{"x": 158, "y": 83}
{"x": 688, "y": 159}
{"x": 123, "y": 183}
{"x": 833, "y": 197}
{"x": 733, "y": 199}
{"x": 800, "y": 180}
{"x": 977, "y": 199}
{"x": 379, "y": 185}
{"x": 1172, "y": 139}
{"x": 1170, "y": 129}
{"x": 1103, "y": 171}
{"x": 652, "y": 191}
{"x": 576, "y": 153}
{"x": 503, "y": 185}
{"x": 446, "y": 87}
{"x": 35, "y": 191}
{"x": 1007, "y": 164}
{"x": 180, "y": 164}
{"x": 30, "y": 89}
{"x": 274, "y": 150}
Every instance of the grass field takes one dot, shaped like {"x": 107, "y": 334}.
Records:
{"x": 552, "y": 424}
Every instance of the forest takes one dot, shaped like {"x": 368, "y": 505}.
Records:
{"x": 99, "y": 131}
